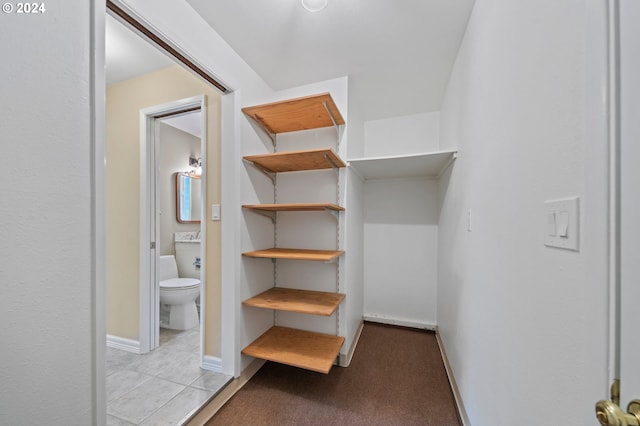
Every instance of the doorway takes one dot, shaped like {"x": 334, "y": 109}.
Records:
{"x": 152, "y": 187}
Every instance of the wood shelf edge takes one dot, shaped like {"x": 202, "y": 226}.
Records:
{"x": 294, "y": 207}
{"x": 297, "y": 300}
{"x": 298, "y": 348}
{"x": 294, "y": 161}
{"x": 296, "y": 254}
{"x": 289, "y": 115}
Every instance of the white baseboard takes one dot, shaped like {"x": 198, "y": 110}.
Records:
{"x": 345, "y": 359}
{"x": 383, "y": 319}
{"x": 462, "y": 413}
{"x": 123, "y": 344}
{"x": 212, "y": 363}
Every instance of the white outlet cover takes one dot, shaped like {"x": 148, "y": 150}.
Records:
{"x": 565, "y": 210}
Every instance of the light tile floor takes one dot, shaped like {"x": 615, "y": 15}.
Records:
{"x": 163, "y": 387}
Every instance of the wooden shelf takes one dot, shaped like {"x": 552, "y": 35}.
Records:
{"x": 298, "y": 348}
{"x": 294, "y": 207}
{"x": 296, "y": 254}
{"x": 431, "y": 164}
{"x": 295, "y": 161}
{"x": 304, "y": 349}
{"x": 310, "y": 112}
{"x": 294, "y": 300}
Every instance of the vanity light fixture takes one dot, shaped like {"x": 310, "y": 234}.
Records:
{"x": 197, "y": 163}
{"x": 314, "y": 5}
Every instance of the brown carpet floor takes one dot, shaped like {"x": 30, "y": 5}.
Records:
{"x": 396, "y": 377}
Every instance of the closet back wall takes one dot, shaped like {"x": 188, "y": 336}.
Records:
{"x": 401, "y": 227}
{"x": 400, "y": 255}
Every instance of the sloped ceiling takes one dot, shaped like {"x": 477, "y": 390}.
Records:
{"x": 128, "y": 55}
{"x": 398, "y": 53}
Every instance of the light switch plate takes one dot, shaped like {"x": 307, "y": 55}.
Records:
{"x": 215, "y": 212}
{"x": 566, "y": 215}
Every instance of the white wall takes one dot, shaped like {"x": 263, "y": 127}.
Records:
{"x": 524, "y": 325}
{"x": 50, "y": 356}
{"x": 353, "y": 233}
{"x": 409, "y": 134}
{"x": 401, "y": 251}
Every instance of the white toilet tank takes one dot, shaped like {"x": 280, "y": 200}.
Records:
{"x": 187, "y": 256}
{"x": 167, "y": 268}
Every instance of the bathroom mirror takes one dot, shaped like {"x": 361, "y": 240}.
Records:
{"x": 188, "y": 198}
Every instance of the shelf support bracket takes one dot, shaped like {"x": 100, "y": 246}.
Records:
{"x": 447, "y": 164}
{"x": 267, "y": 173}
{"x": 269, "y": 214}
{"x": 334, "y": 260}
{"x": 333, "y": 120}
{"x": 334, "y": 213}
{"x": 265, "y": 129}
{"x": 333, "y": 165}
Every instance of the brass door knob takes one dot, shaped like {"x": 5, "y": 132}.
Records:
{"x": 609, "y": 414}
{"x": 633, "y": 408}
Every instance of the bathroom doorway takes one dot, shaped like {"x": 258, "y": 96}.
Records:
{"x": 164, "y": 228}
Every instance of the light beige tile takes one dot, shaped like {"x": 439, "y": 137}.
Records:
{"x": 117, "y": 359}
{"x": 176, "y": 363}
{"x": 123, "y": 381}
{"x": 144, "y": 400}
{"x": 167, "y": 335}
{"x": 211, "y": 380}
{"x": 183, "y": 369}
{"x": 179, "y": 408}
{"x": 155, "y": 362}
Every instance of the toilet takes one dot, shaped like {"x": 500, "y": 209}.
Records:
{"x": 177, "y": 297}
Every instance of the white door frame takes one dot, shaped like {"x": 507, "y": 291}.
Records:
{"x": 149, "y": 217}
{"x": 629, "y": 202}
{"x": 624, "y": 201}
{"x": 614, "y": 191}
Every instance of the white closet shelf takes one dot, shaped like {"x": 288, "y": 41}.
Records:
{"x": 428, "y": 164}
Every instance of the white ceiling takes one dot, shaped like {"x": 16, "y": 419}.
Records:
{"x": 190, "y": 122}
{"x": 398, "y": 54}
{"x": 128, "y": 55}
